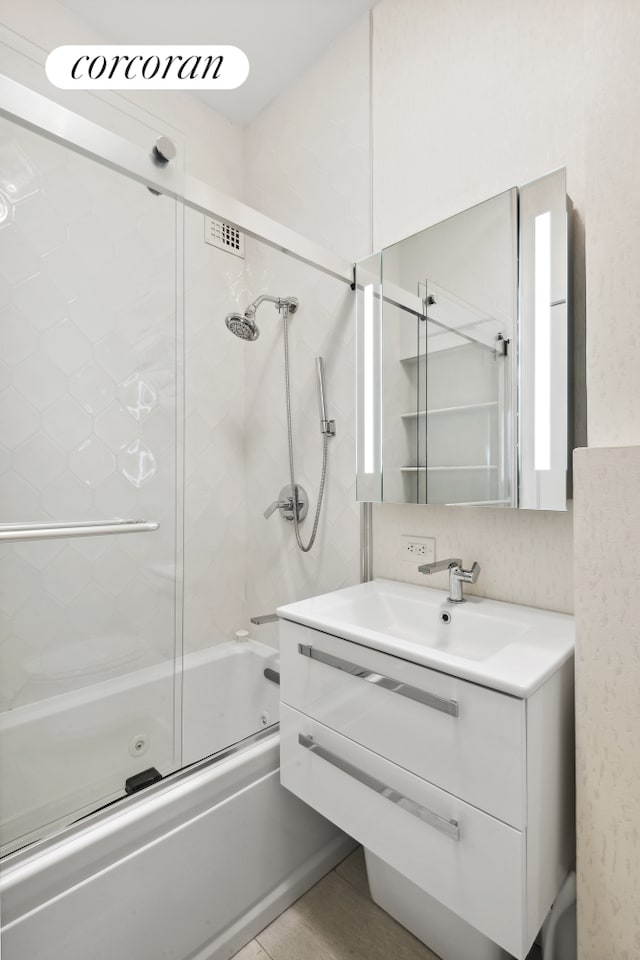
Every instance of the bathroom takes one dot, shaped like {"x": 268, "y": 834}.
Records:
{"x": 386, "y": 121}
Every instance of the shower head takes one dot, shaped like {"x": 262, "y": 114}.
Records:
{"x": 243, "y": 326}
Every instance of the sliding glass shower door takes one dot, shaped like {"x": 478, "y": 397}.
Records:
{"x": 89, "y": 497}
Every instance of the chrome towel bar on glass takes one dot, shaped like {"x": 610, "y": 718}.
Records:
{"x": 54, "y": 531}
{"x": 450, "y": 828}
{"x": 378, "y": 680}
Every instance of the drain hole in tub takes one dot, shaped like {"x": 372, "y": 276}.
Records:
{"x": 445, "y": 617}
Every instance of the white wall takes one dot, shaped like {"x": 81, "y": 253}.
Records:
{"x": 466, "y": 104}
{"x": 307, "y": 154}
{"x": 607, "y": 704}
{"x": 612, "y": 34}
{"x": 606, "y": 547}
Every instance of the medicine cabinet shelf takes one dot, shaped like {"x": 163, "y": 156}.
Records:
{"x": 481, "y": 466}
{"x": 477, "y": 503}
{"x": 460, "y": 409}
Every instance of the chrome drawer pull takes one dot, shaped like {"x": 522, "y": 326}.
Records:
{"x": 450, "y": 828}
{"x": 378, "y": 680}
{"x": 56, "y": 531}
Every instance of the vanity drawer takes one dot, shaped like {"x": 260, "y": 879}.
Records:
{"x": 458, "y": 735}
{"x": 469, "y": 861}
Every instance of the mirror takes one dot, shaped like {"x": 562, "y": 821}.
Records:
{"x": 462, "y": 357}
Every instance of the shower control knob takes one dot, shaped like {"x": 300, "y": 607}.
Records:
{"x": 276, "y": 505}
{"x": 285, "y": 504}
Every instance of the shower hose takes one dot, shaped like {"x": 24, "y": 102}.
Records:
{"x": 292, "y": 472}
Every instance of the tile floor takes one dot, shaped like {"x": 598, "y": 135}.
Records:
{"x": 337, "y": 920}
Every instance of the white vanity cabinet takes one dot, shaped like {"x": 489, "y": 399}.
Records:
{"x": 465, "y": 791}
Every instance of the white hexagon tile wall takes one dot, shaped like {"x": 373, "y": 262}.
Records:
{"x": 215, "y": 487}
{"x": 88, "y": 426}
{"x": 87, "y": 417}
{"x": 236, "y": 563}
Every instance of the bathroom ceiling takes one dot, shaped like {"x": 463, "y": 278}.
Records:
{"x": 282, "y": 38}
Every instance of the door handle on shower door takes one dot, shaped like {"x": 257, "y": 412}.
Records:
{"x": 12, "y": 532}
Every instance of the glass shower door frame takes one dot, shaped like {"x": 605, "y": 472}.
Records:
{"x": 35, "y": 112}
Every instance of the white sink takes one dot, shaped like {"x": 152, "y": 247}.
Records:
{"x": 502, "y": 645}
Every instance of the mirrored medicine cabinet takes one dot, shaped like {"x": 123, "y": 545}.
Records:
{"x": 462, "y": 357}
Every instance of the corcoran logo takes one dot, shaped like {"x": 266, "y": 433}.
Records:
{"x": 147, "y": 67}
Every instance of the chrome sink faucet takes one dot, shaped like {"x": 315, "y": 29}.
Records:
{"x": 457, "y": 576}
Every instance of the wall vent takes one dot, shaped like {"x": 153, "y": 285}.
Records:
{"x": 224, "y": 236}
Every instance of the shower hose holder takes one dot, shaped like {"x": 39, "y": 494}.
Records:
{"x": 328, "y": 427}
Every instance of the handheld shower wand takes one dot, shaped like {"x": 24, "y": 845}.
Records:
{"x": 326, "y": 426}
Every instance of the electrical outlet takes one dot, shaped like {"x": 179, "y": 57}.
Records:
{"x": 417, "y": 549}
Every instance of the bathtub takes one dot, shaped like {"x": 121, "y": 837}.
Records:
{"x": 71, "y": 753}
{"x": 192, "y": 867}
